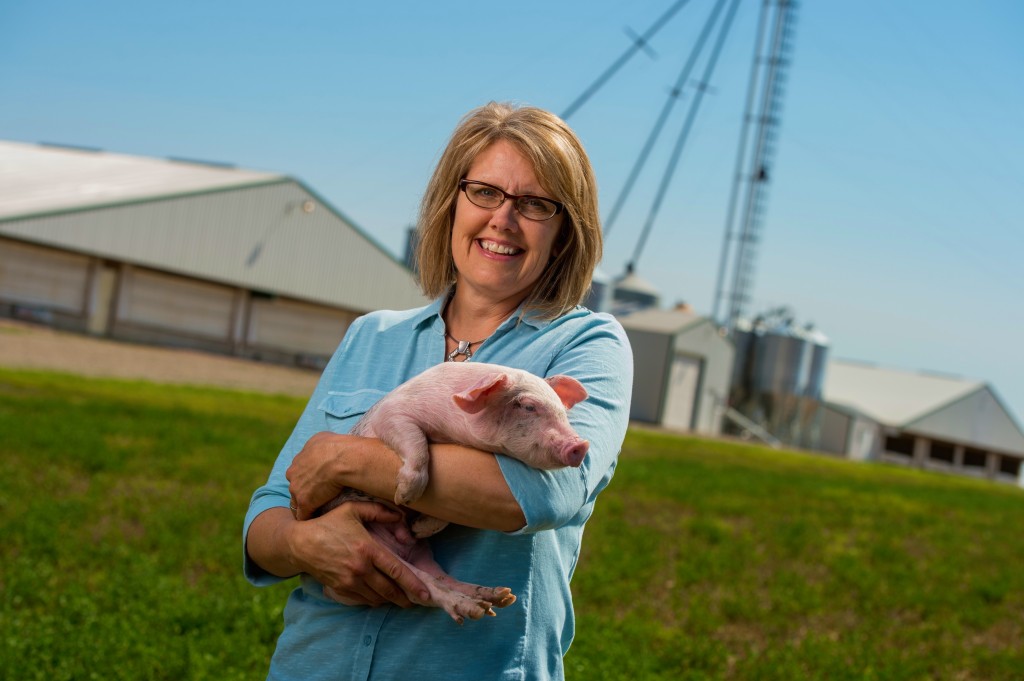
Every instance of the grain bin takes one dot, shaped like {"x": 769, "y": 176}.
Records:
{"x": 778, "y": 375}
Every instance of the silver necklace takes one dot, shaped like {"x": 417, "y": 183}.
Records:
{"x": 463, "y": 348}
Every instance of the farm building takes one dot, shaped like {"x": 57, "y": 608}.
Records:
{"x": 186, "y": 254}
{"x": 931, "y": 421}
{"x": 682, "y": 365}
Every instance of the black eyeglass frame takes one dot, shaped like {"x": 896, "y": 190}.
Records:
{"x": 559, "y": 206}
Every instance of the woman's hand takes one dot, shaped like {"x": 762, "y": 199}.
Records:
{"x": 337, "y": 550}
{"x": 313, "y": 475}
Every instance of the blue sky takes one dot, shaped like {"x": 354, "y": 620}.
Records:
{"x": 895, "y": 210}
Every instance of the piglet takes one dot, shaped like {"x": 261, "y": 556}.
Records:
{"x": 486, "y": 406}
{"x": 490, "y": 407}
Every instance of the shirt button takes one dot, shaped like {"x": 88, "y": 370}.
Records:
{"x": 367, "y": 640}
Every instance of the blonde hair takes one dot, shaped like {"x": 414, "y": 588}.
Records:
{"x": 564, "y": 171}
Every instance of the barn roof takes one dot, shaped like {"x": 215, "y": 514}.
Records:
{"x": 37, "y": 179}
{"x": 891, "y": 396}
{"x": 262, "y": 231}
{"x": 660, "y": 321}
{"x": 940, "y": 405}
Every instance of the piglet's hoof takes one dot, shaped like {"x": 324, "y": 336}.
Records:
{"x": 409, "y": 488}
{"x": 462, "y": 605}
{"x": 427, "y": 526}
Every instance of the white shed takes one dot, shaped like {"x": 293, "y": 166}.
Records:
{"x": 932, "y": 421}
{"x": 185, "y": 253}
{"x": 682, "y": 365}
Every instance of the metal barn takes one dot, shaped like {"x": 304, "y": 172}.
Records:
{"x": 187, "y": 254}
{"x": 931, "y": 421}
{"x": 682, "y": 365}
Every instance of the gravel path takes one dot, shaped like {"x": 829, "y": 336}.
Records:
{"x": 30, "y": 346}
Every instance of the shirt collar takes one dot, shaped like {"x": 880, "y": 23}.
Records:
{"x": 432, "y": 313}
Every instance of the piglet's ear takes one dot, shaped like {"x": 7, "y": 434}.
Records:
{"x": 480, "y": 395}
{"x": 568, "y": 389}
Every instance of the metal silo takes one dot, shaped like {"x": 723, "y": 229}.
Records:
{"x": 778, "y": 376}
{"x": 818, "y": 360}
{"x": 809, "y": 432}
{"x": 632, "y": 294}
{"x": 779, "y": 362}
{"x": 599, "y": 296}
{"x": 743, "y": 340}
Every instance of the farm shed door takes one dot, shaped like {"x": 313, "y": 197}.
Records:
{"x": 175, "y": 304}
{"x": 296, "y": 327}
{"x": 42, "y": 277}
{"x": 681, "y": 396}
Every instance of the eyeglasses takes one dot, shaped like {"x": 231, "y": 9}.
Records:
{"x": 530, "y": 207}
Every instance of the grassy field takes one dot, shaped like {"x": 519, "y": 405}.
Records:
{"x": 121, "y": 506}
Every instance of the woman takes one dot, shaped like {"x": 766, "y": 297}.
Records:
{"x": 509, "y": 237}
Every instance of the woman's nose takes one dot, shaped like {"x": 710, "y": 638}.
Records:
{"x": 505, "y": 216}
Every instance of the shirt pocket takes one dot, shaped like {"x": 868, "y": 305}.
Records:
{"x": 343, "y": 410}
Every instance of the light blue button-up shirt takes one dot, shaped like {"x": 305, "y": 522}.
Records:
{"x": 527, "y": 640}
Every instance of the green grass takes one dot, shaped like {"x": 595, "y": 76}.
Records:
{"x": 121, "y": 506}
{"x": 710, "y": 560}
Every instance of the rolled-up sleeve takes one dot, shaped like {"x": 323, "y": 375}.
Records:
{"x": 598, "y": 356}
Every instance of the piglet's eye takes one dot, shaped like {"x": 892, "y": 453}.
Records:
{"x": 526, "y": 406}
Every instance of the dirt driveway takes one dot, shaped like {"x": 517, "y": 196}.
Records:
{"x": 30, "y": 346}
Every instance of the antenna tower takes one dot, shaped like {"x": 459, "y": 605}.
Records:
{"x": 768, "y": 74}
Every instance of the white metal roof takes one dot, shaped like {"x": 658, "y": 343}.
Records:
{"x": 668, "y": 322}
{"x": 36, "y": 178}
{"x": 261, "y": 231}
{"x": 940, "y": 406}
{"x": 891, "y": 396}
{"x": 660, "y": 321}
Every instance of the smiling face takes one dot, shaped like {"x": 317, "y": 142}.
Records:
{"x": 499, "y": 255}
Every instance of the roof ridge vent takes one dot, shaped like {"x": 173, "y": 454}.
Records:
{"x": 202, "y": 162}
{"x": 72, "y": 147}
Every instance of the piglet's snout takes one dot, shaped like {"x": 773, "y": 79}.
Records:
{"x": 574, "y": 451}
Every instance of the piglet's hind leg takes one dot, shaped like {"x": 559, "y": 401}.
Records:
{"x": 459, "y": 599}
{"x": 427, "y": 526}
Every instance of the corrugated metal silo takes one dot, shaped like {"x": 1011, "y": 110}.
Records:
{"x": 778, "y": 376}
{"x": 633, "y": 293}
{"x": 599, "y": 297}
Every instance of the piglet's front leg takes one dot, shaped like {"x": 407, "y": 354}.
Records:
{"x": 406, "y": 437}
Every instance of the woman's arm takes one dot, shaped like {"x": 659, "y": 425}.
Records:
{"x": 466, "y": 485}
